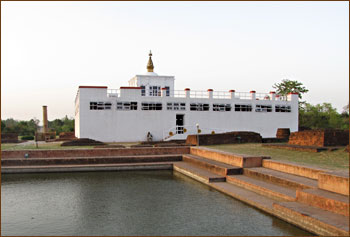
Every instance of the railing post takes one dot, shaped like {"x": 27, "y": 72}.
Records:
{"x": 163, "y": 92}
{"x": 187, "y": 92}
{"x": 252, "y": 94}
{"x": 210, "y": 93}
{"x": 232, "y": 94}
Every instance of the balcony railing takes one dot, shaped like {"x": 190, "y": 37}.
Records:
{"x": 206, "y": 94}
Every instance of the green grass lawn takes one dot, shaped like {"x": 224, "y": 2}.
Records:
{"x": 334, "y": 160}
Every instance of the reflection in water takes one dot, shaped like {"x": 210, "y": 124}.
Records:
{"x": 126, "y": 203}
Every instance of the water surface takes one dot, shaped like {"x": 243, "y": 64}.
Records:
{"x": 126, "y": 203}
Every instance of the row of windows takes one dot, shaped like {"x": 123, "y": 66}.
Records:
{"x": 283, "y": 108}
{"x": 100, "y": 105}
{"x": 182, "y": 106}
{"x": 176, "y": 106}
{"x": 151, "y": 106}
{"x": 154, "y": 91}
{"x": 126, "y": 105}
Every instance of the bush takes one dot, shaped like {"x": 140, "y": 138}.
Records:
{"x": 27, "y": 138}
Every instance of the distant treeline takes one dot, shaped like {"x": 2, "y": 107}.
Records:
{"x": 28, "y": 128}
{"x": 322, "y": 116}
{"x": 318, "y": 116}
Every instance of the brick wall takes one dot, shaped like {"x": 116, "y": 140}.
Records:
{"x": 9, "y": 137}
{"x": 320, "y": 138}
{"x": 224, "y": 138}
{"x": 283, "y": 133}
{"x": 95, "y": 152}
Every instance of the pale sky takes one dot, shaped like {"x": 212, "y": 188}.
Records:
{"x": 48, "y": 49}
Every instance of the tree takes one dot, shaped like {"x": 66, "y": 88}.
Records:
{"x": 3, "y": 125}
{"x": 322, "y": 116}
{"x": 287, "y": 86}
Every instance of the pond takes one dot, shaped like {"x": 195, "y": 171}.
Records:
{"x": 127, "y": 203}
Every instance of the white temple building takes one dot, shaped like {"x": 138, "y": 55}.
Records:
{"x": 151, "y": 104}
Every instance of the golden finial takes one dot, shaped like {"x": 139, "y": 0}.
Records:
{"x": 150, "y": 66}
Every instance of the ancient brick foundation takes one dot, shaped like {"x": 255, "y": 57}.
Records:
{"x": 95, "y": 152}
{"x": 66, "y": 136}
{"x": 41, "y": 136}
{"x": 9, "y": 138}
{"x": 224, "y": 138}
{"x": 283, "y": 133}
{"x": 320, "y": 138}
{"x": 82, "y": 142}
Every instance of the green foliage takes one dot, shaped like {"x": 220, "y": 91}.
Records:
{"x": 23, "y": 128}
{"x": 27, "y": 138}
{"x": 28, "y": 128}
{"x": 62, "y": 125}
{"x": 322, "y": 116}
{"x": 287, "y": 86}
{"x": 3, "y": 125}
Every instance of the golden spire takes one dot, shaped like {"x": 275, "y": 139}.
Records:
{"x": 150, "y": 66}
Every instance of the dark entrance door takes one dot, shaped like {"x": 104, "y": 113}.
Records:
{"x": 180, "y": 123}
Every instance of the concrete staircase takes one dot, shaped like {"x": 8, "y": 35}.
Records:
{"x": 291, "y": 192}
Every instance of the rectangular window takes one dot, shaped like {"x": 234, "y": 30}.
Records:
{"x": 283, "y": 108}
{"x": 154, "y": 90}
{"x": 263, "y": 108}
{"x": 167, "y": 89}
{"x": 245, "y": 108}
{"x": 126, "y": 105}
{"x": 143, "y": 91}
{"x": 199, "y": 107}
{"x": 176, "y": 106}
{"x": 221, "y": 107}
{"x": 151, "y": 106}
{"x": 100, "y": 105}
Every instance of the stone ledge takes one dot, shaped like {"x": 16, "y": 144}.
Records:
{"x": 239, "y": 160}
{"x": 337, "y": 182}
{"x": 95, "y": 152}
{"x": 313, "y": 219}
{"x": 290, "y": 168}
{"x": 325, "y": 200}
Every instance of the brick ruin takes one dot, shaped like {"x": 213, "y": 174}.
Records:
{"x": 283, "y": 133}
{"x": 224, "y": 138}
{"x": 320, "y": 138}
{"x": 9, "y": 138}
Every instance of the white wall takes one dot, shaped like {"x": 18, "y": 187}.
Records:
{"x": 120, "y": 126}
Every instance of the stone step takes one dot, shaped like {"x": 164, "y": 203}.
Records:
{"x": 238, "y": 160}
{"x": 245, "y": 195}
{"x": 316, "y": 220}
{"x": 280, "y": 178}
{"x": 336, "y": 181}
{"x": 262, "y": 187}
{"x": 197, "y": 173}
{"x": 212, "y": 165}
{"x": 86, "y": 167}
{"x": 88, "y": 160}
{"x": 291, "y": 168}
{"x": 326, "y": 200}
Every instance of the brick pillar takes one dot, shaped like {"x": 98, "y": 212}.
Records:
{"x": 45, "y": 122}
